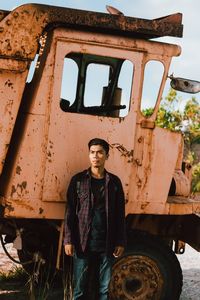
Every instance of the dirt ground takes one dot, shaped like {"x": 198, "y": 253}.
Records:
{"x": 190, "y": 263}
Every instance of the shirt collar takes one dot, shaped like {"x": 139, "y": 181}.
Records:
{"x": 88, "y": 173}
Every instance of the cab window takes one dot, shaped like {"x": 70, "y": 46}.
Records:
{"x": 96, "y": 85}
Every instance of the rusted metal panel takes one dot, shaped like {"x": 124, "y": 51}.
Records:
{"x": 24, "y": 173}
{"x": 11, "y": 87}
{"x": 153, "y": 168}
{"x": 49, "y": 154}
{"x": 12, "y": 65}
{"x": 86, "y": 127}
{"x": 21, "y": 29}
{"x": 181, "y": 209}
{"x": 68, "y": 126}
{"x": 33, "y": 210}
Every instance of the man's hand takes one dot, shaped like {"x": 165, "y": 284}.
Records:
{"x": 69, "y": 249}
{"x": 118, "y": 251}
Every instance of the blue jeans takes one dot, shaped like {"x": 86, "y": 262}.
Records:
{"x": 81, "y": 273}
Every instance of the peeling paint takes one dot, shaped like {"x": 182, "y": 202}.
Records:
{"x": 9, "y": 207}
{"x": 9, "y": 83}
{"x": 19, "y": 189}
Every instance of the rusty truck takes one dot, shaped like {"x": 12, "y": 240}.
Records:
{"x": 69, "y": 75}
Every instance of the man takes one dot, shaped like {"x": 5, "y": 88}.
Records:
{"x": 95, "y": 220}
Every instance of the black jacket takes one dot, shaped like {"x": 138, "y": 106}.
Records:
{"x": 79, "y": 212}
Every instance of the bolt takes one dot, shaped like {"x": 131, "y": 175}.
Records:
{"x": 140, "y": 139}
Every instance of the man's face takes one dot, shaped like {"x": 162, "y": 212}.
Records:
{"x": 97, "y": 156}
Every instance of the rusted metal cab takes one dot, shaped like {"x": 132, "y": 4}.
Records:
{"x": 88, "y": 81}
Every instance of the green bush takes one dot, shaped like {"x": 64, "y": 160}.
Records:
{"x": 196, "y": 178}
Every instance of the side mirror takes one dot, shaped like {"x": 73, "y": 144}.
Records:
{"x": 184, "y": 85}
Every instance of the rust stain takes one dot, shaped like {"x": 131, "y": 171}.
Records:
{"x": 13, "y": 190}
{"x": 144, "y": 205}
{"x": 8, "y": 106}
{"x": 41, "y": 210}
{"x": 50, "y": 144}
{"x": 23, "y": 185}
{"x": 139, "y": 183}
{"x": 19, "y": 189}
{"x": 18, "y": 170}
{"x": 123, "y": 150}
{"x": 9, "y": 84}
{"x": 22, "y": 203}
{"x": 9, "y": 207}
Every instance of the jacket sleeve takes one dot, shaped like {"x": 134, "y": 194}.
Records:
{"x": 121, "y": 226}
{"x": 70, "y": 215}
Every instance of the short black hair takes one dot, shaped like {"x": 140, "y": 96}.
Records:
{"x": 97, "y": 141}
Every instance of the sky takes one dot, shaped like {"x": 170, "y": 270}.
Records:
{"x": 188, "y": 64}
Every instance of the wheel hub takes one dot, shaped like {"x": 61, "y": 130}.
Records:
{"x": 136, "y": 277}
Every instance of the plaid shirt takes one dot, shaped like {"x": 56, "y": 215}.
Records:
{"x": 78, "y": 216}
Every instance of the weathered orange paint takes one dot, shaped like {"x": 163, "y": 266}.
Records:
{"x": 48, "y": 145}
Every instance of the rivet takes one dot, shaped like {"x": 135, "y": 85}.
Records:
{"x": 15, "y": 14}
{"x": 8, "y": 22}
{"x": 1, "y": 29}
{"x": 9, "y": 47}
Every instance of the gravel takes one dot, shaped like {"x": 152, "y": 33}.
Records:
{"x": 190, "y": 264}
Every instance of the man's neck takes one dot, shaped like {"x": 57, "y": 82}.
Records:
{"x": 97, "y": 172}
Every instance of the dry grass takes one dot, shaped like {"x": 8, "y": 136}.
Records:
{"x": 16, "y": 274}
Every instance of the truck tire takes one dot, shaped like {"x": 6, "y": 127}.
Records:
{"x": 148, "y": 270}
